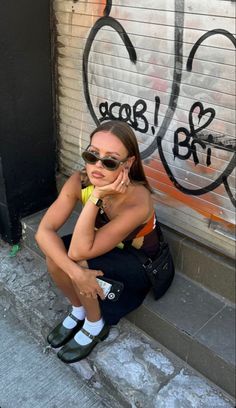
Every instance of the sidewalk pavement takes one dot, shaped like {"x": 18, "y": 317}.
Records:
{"x": 129, "y": 367}
{"x": 31, "y": 379}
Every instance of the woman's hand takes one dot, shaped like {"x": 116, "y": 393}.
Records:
{"x": 119, "y": 186}
{"x": 86, "y": 284}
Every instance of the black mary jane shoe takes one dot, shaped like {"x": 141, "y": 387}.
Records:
{"x": 73, "y": 352}
{"x": 60, "y": 335}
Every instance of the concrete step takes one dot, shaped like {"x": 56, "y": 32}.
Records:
{"x": 128, "y": 369}
{"x": 208, "y": 268}
{"x": 189, "y": 320}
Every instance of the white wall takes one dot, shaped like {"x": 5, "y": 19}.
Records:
{"x": 190, "y": 111}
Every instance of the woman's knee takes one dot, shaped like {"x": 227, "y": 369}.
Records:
{"x": 83, "y": 263}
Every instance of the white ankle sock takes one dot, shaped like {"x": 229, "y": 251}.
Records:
{"x": 77, "y": 311}
{"x": 93, "y": 328}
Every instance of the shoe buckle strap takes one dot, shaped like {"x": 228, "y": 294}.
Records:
{"x": 73, "y": 317}
{"x": 90, "y": 335}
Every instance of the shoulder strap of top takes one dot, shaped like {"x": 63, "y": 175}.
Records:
{"x": 86, "y": 193}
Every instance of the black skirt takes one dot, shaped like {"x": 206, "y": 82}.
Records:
{"x": 120, "y": 265}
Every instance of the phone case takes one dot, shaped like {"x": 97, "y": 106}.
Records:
{"x": 115, "y": 290}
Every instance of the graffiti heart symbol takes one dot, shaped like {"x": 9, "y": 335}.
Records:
{"x": 202, "y": 114}
{"x": 223, "y": 177}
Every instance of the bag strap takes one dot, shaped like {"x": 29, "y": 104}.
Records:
{"x": 143, "y": 258}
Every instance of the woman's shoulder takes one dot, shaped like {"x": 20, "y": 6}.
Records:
{"x": 140, "y": 198}
{"x": 140, "y": 191}
{"x": 74, "y": 177}
{"x": 72, "y": 186}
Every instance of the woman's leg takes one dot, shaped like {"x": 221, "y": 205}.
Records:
{"x": 65, "y": 330}
{"x": 63, "y": 282}
{"x": 94, "y": 322}
{"x": 93, "y": 312}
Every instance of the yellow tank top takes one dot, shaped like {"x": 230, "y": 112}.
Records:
{"x": 86, "y": 193}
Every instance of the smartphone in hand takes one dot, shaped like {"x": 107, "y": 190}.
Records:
{"x": 111, "y": 288}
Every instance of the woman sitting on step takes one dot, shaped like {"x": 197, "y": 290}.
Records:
{"x": 117, "y": 213}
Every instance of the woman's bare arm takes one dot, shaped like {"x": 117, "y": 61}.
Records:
{"x": 57, "y": 214}
{"x": 88, "y": 243}
{"x": 52, "y": 245}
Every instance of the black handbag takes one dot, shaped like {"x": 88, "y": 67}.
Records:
{"x": 160, "y": 270}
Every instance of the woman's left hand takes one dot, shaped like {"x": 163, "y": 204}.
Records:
{"x": 85, "y": 282}
{"x": 119, "y": 186}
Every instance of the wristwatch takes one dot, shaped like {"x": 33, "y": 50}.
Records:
{"x": 96, "y": 201}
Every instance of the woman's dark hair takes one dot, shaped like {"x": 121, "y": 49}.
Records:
{"x": 126, "y": 135}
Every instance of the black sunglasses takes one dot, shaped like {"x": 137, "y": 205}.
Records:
{"x": 108, "y": 162}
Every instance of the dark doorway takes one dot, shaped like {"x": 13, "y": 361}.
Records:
{"x": 27, "y": 136}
